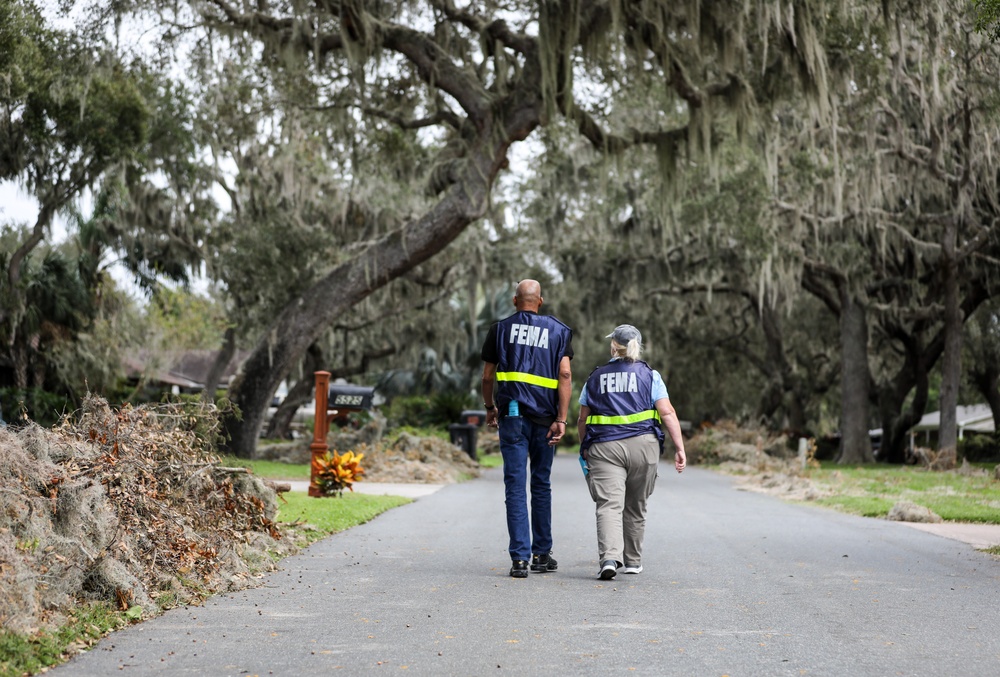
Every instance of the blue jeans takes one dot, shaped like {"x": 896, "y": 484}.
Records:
{"x": 521, "y": 442}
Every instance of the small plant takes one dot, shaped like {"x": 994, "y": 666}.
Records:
{"x": 337, "y": 472}
{"x": 811, "y": 451}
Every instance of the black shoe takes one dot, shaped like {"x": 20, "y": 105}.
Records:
{"x": 609, "y": 568}
{"x": 542, "y": 564}
{"x": 519, "y": 569}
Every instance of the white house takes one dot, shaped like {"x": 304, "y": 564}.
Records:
{"x": 973, "y": 418}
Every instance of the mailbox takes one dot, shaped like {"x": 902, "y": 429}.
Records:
{"x": 333, "y": 402}
{"x": 350, "y": 397}
{"x": 476, "y": 417}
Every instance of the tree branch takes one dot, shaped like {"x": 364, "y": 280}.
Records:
{"x": 436, "y": 69}
{"x": 811, "y": 283}
{"x": 497, "y": 30}
{"x": 615, "y": 144}
{"x": 932, "y": 164}
{"x": 440, "y": 116}
{"x": 288, "y": 31}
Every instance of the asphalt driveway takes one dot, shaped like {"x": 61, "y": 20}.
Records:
{"x": 735, "y": 583}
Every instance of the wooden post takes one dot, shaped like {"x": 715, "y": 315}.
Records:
{"x": 321, "y": 426}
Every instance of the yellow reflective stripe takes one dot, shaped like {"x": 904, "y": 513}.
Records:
{"x": 622, "y": 420}
{"x": 521, "y": 377}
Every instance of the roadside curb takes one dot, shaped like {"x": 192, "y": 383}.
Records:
{"x": 979, "y": 536}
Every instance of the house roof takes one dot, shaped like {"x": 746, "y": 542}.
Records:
{"x": 978, "y": 417}
{"x": 974, "y": 417}
{"x": 183, "y": 368}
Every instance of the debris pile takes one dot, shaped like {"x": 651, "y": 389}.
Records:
{"x": 131, "y": 507}
{"x": 739, "y": 449}
{"x": 763, "y": 461}
{"x": 418, "y": 459}
{"x": 908, "y": 511}
{"x": 408, "y": 459}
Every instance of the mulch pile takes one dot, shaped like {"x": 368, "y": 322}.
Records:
{"x": 127, "y": 506}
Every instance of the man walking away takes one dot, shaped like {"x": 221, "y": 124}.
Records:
{"x": 526, "y": 388}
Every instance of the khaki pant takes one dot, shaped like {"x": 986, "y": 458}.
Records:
{"x": 622, "y": 476}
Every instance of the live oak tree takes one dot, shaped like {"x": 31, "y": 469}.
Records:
{"x": 699, "y": 151}
{"x": 893, "y": 206}
{"x": 950, "y": 150}
{"x": 475, "y": 79}
{"x": 856, "y": 209}
{"x": 348, "y": 59}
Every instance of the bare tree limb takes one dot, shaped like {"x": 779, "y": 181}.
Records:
{"x": 615, "y": 144}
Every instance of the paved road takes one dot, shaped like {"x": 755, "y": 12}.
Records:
{"x": 735, "y": 583}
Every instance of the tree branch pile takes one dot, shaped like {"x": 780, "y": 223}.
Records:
{"x": 130, "y": 507}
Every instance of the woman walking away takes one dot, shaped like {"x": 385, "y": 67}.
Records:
{"x": 622, "y": 406}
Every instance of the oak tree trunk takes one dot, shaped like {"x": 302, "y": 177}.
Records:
{"x": 855, "y": 442}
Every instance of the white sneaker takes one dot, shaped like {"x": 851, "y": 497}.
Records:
{"x": 632, "y": 570}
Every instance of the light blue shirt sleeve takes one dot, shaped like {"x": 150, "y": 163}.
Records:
{"x": 659, "y": 387}
{"x": 583, "y": 396}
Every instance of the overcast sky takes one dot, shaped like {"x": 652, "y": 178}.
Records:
{"x": 15, "y": 205}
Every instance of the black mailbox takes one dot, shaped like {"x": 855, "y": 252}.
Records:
{"x": 350, "y": 397}
{"x": 475, "y": 417}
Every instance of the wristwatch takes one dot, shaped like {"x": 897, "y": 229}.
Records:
{"x": 489, "y": 407}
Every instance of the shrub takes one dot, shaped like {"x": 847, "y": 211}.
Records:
{"x": 980, "y": 447}
{"x": 411, "y": 410}
{"x": 421, "y": 411}
{"x": 43, "y": 407}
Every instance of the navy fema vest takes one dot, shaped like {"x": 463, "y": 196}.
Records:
{"x": 529, "y": 349}
{"x": 619, "y": 394}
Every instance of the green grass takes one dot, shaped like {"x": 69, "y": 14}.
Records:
{"x": 28, "y": 654}
{"x": 491, "y": 460}
{"x": 869, "y": 506}
{"x": 872, "y": 490}
{"x": 315, "y": 518}
{"x": 273, "y": 470}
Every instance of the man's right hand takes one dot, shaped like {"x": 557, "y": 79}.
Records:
{"x": 492, "y": 417}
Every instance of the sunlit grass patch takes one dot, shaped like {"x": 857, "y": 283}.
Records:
{"x": 274, "y": 470}
{"x": 868, "y": 506}
{"x": 320, "y": 517}
{"x": 491, "y": 460}
{"x": 961, "y": 509}
{"x": 872, "y": 490}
